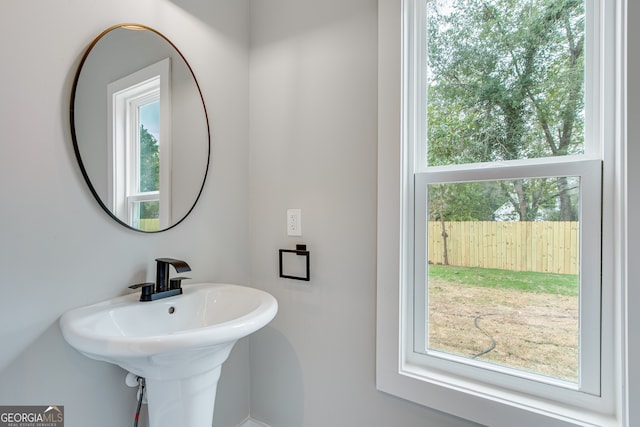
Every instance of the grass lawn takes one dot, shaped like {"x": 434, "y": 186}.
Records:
{"x": 549, "y": 283}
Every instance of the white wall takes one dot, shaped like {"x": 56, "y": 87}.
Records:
{"x": 633, "y": 207}
{"x": 313, "y": 79}
{"x": 58, "y": 250}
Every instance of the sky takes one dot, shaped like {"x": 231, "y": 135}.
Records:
{"x": 150, "y": 118}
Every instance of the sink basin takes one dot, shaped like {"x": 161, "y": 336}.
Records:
{"x": 177, "y": 344}
{"x": 143, "y": 336}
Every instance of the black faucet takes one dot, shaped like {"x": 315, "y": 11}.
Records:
{"x": 164, "y": 286}
{"x": 162, "y": 272}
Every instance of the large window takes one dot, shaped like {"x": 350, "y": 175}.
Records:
{"x": 505, "y": 292}
{"x": 497, "y": 130}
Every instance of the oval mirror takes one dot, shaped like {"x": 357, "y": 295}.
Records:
{"x": 140, "y": 128}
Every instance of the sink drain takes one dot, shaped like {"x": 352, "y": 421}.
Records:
{"x": 172, "y": 310}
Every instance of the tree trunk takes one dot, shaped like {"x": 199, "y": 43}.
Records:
{"x": 566, "y": 208}
{"x": 522, "y": 200}
{"x": 444, "y": 237}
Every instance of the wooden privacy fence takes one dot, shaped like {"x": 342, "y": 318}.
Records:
{"x": 546, "y": 247}
{"x": 149, "y": 224}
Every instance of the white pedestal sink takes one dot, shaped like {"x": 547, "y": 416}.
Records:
{"x": 178, "y": 344}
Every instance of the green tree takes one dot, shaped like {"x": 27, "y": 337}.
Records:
{"x": 149, "y": 161}
{"x": 149, "y": 171}
{"x": 466, "y": 201}
{"x": 506, "y": 82}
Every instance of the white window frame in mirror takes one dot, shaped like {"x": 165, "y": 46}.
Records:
{"x": 124, "y": 96}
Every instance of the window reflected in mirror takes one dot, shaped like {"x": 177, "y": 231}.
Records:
{"x": 139, "y": 176}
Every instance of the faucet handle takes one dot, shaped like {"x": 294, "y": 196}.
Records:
{"x": 175, "y": 283}
{"x": 147, "y": 290}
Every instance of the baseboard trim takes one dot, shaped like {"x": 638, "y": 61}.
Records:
{"x": 250, "y": 422}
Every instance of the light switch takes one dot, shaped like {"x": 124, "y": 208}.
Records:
{"x": 294, "y": 222}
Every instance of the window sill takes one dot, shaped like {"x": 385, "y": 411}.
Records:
{"x": 485, "y": 405}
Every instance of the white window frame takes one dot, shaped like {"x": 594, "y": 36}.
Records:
{"x": 125, "y": 96}
{"x": 495, "y": 403}
{"x": 589, "y": 172}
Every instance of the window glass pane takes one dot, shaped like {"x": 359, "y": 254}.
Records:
{"x": 146, "y": 215}
{"x": 149, "y": 143}
{"x": 505, "y": 80}
{"x": 503, "y": 273}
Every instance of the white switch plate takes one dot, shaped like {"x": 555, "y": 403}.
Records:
{"x": 294, "y": 222}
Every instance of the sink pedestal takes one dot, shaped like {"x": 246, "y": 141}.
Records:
{"x": 181, "y": 387}
{"x": 184, "y": 402}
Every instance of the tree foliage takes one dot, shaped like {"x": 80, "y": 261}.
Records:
{"x": 149, "y": 171}
{"x": 505, "y": 82}
{"x": 149, "y": 161}
{"x": 466, "y": 201}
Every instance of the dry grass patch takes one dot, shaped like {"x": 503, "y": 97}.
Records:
{"x": 537, "y": 332}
